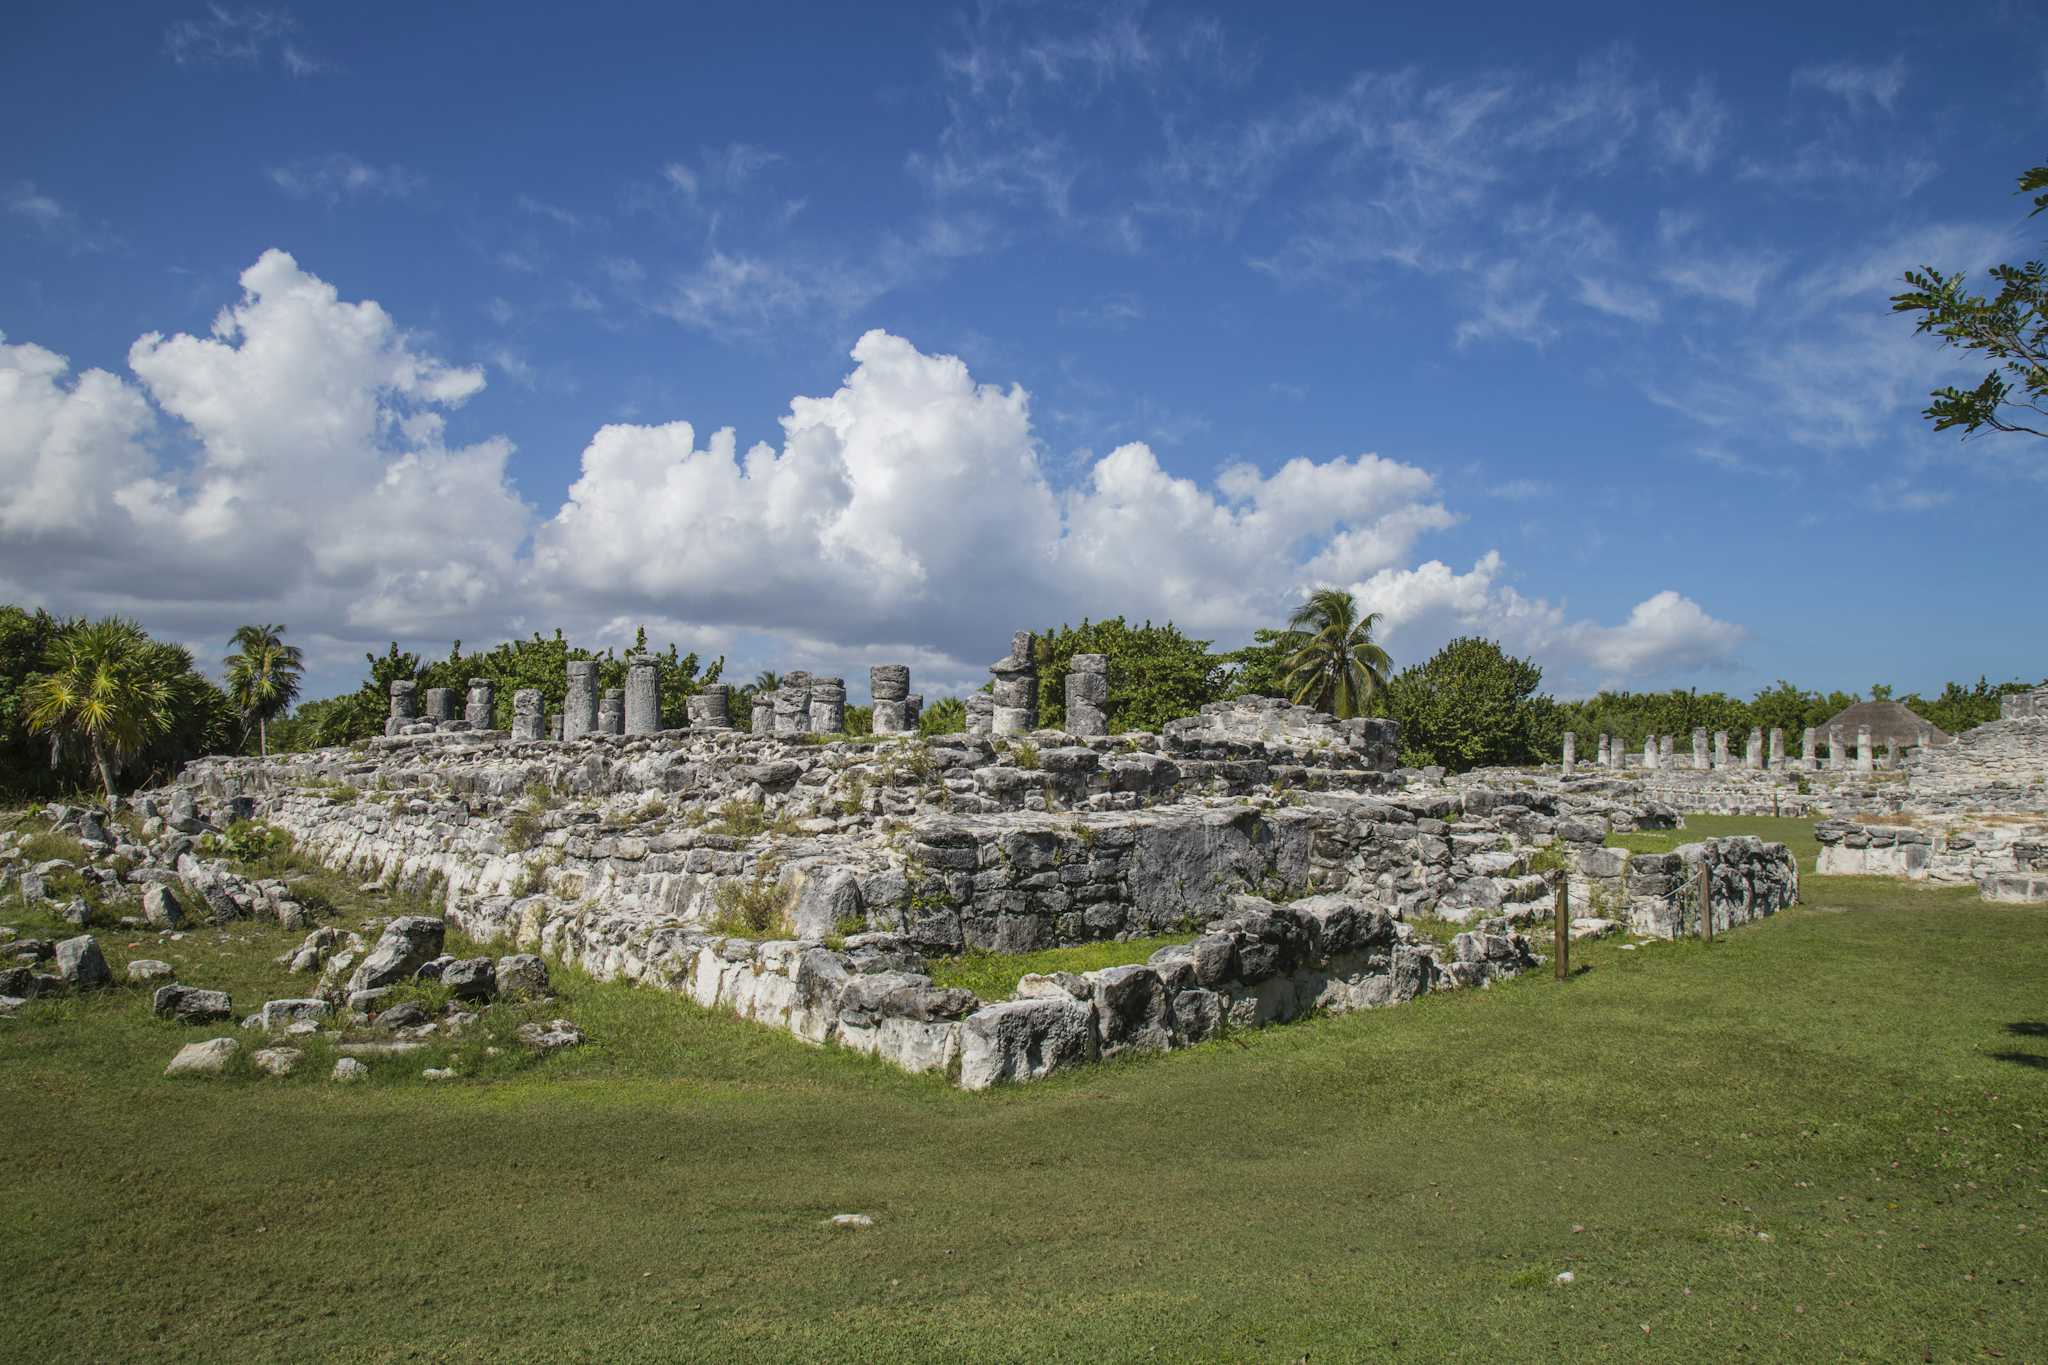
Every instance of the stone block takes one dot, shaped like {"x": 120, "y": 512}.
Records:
{"x": 579, "y": 706}
{"x": 643, "y": 697}
{"x": 1025, "y": 1040}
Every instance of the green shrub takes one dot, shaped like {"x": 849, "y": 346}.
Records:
{"x": 523, "y": 830}
{"x": 757, "y": 907}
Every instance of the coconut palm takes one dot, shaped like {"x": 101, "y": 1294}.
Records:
{"x": 263, "y": 677}
{"x": 1332, "y": 662}
{"x": 99, "y": 687}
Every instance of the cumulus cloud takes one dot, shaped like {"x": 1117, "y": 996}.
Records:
{"x": 292, "y": 465}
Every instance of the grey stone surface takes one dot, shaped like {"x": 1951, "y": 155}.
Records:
{"x": 191, "y": 1005}
{"x": 81, "y": 964}
{"x": 643, "y": 696}
{"x": 440, "y": 704}
{"x": 402, "y": 948}
{"x": 481, "y": 707}
{"x": 209, "y": 1058}
{"x": 522, "y": 976}
{"x": 579, "y": 706}
{"x": 527, "y": 717}
{"x": 611, "y": 711}
{"x": 828, "y": 706}
{"x": 473, "y": 978}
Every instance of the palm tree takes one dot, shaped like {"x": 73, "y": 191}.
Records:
{"x": 1332, "y": 663}
{"x": 767, "y": 680}
{"x": 98, "y": 686}
{"x": 263, "y": 677}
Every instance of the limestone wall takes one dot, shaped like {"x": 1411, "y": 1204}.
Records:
{"x": 1747, "y": 879}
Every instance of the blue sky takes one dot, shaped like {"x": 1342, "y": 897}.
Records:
{"x": 1565, "y": 328}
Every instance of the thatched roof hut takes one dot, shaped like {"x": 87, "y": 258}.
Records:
{"x": 1890, "y": 722}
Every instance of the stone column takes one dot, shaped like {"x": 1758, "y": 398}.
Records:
{"x": 889, "y": 688}
{"x": 1605, "y": 756}
{"x": 1720, "y": 748}
{"x": 1649, "y": 753}
{"x": 1809, "y": 749}
{"x": 611, "y": 712}
{"x": 483, "y": 702}
{"x": 793, "y": 704}
{"x": 913, "y": 709}
{"x": 1016, "y": 688}
{"x": 1664, "y": 751}
{"x": 1699, "y": 747}
{"x": 1863, "y": 754}
{"x": 556, "y": 724}
{"x": 1753, "y": 753}
{"x": 440, "y": 704}
{"x": 404, "y": 706}
{"x": 828, "y": 706}
{"x": 764, "y": 715}
{"x": 1891, "y": 754}
{"x": 643, "y": 696}
{"x": 1571, "y": 752}
{"x": 579, "y": 708}
{"x": 715, "y": 705}
{"x": 1777, "y": 747}
{"x": 981, "y": 713}
{"x": 526, "y": 713}
{"x": 1837, "y": 756}
{"x": 1088, "y": 695}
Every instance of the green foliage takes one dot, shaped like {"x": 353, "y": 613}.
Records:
{"x": 1471, "y": 705}
{"x": 756, "y": 907}
{"x": 860, "y": 720}
{"x": 739, "y": 819}
{"x": 1260, "y": 668}
{"x": 262, "y": 677}
{"x": 523, "y": 829}
{"x": 1023, "y": 754}
{"x": 1332, "y": 662}
{"x": 993, "y": 976}
{"x": 109, "y": 701}
{"x": 1156, "y": 674}
{"x": 946, "y": 716}
{"x": 2011, "y": 328}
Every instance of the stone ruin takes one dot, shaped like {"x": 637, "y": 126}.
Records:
{"x": 1299, "y": 865}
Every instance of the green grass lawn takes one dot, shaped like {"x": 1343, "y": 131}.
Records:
{"x": 1819, "y": 1137}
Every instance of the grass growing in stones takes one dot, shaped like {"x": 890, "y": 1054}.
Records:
{"x": 993, "y": 976}
{"x": 1819, "y": 1137}
{"x": 1796, "y": 835}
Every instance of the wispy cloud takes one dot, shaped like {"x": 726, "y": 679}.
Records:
{"x": 1862, "y": 86}
{"x": 1691, "y": 134}
{"x": 554, "y": 213}
{"x": 339, "y": 176}
{"x": 247, "y": 36}
{"x": 55, "y": 219}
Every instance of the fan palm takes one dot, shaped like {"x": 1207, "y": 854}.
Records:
{"x": 1332, "y": 662}
{"x": 263, "y": 677}
{"x": 98, "y": 686}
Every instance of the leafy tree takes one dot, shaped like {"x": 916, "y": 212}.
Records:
{"x": 1960, "y": 708}
{"x": 1332, "y": 662}
{"x": 1471, "y": 705}
{"x": 97, "y": 690}
{"x": 2010, "y": 328}
{"x": 1260, "y": 668}
{"x": 1156, "y": 674}
{"x": 263, "y": 677}
{"x": 946, "y": 716}
{"x": 24, "y": 640}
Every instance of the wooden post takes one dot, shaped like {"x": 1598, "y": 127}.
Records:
{"x": 1706, "y": 903}
{"x": 1563, "y": 944}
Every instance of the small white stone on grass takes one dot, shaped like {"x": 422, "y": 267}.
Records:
{"x": 209, "y": 1058}
{"x": 276, "y": 1061}
{"x": 349, "y": 1069}
{"x": 149, "y": 969}
{"x": 852, "y": 1221}
{"x": 439, "y": 1073}
{"x": 1565, "y": 1277}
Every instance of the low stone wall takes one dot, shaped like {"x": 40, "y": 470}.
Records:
{"x": 1259, "y": 964}
{"x": 1659, "y": 896}
{"x": 2000, "y": 856}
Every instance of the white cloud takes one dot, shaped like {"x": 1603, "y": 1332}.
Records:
{"x": 24, "y": 200}
{"x": 340, "y": 176}
{"x": 246, "y": 36}
{"x": 1618, "y": 298}
{"x": 1690, "y": 135}
{"x": 1860, "y": 85}
{"x": 293, "y": 466}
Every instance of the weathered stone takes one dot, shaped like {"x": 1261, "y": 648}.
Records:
{"x": 279, "y": 1015}
{"x": 557, "y": 1034}
{"x": 1023, "y": 1040}
{"x": 276, "y": 1061}
{"x": 149, "y": 969}
{"x": 828, "y": 706}
{"x": 481, "y": 707}
{"x": 209, "y": 1058}
{"x": 81, "y": 964}
{"x": 522, "y": 976}
{"x": 440, "y": 704}
{"x": 643, "y": 696}
{"x": 474, "y": 978}
{"x": 160, "y": 908}
{"x": 348, "y": 1070}
{"x": 190, "y": 1005}
{"x": 579, "y": 706}
{"x": 528, "y": 707}
{"x": 405, "y": 944}
{"x": 611, "y": 712}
